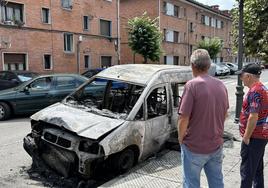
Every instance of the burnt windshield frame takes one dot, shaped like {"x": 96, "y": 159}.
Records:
{"x": 111, "y": 98}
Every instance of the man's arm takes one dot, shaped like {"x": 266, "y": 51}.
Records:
{"x": 182, "y": 127}
{"x": 251, "y": 124}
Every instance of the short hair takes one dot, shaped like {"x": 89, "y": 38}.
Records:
{"x": 200, "y": 59}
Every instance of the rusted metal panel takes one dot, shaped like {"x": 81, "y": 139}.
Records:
{"x": 142, "y": 73}
{"x": 81, "y": 122}
{"x": 130, "y": 133}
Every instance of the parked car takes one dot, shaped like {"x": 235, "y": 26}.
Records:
{"x": 110, "y": 124}
{"x": 91, "y": 72}
{"x": 221, "y": 70}
{"x": 212, "y": 69}
{"x": 38, "y": 93}
{"x": 233, "y": 67}
{"x": 9, "y": 79}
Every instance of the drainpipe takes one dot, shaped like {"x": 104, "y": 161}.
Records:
{"x": 80, "y": 38}
{"x": 118, "y": 33}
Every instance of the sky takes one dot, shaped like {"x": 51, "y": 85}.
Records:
{"x": 224, "y": 4}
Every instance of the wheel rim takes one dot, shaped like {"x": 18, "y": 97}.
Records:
{"x": 2, "y": 112}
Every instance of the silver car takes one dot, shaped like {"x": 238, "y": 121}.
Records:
{"x": 221, "y": 70}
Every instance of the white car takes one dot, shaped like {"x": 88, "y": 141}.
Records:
{"x": 121, "y": 116}
{"x": 221, "y": 70}
{"x": 233, "y": 67}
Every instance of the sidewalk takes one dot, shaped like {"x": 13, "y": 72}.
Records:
{"x": 165, "y": 171}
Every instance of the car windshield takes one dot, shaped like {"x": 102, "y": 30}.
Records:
{"x": 26, "y": 76}
{"x": 104, "y": 97}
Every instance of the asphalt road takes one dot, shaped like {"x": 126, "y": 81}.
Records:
{"x": 15, "y": 164}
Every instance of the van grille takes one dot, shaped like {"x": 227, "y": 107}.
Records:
{"x": 57, "y": 140}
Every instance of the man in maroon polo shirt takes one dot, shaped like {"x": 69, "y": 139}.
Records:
{"x": 202, "y": 112}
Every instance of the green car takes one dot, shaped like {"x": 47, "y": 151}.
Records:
{"x": 37, "y": 94}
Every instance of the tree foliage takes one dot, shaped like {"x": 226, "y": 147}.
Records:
{"x": 213, "y": 46}
{"x": 145, "y": 38}
{"x": 255, "y": 37}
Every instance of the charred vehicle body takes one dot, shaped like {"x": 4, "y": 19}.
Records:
{"x": 122, "y": 115}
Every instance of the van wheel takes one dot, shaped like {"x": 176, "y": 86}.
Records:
{"x": 4, "y": 111}
{"x": 124, "y": 161}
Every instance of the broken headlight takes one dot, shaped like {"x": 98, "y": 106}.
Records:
{"x": 89, "y": 147}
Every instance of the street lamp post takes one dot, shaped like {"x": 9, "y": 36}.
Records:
{"x": 239, "y": 88}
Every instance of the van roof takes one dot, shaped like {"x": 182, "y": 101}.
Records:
{"x": 138, "y": 73}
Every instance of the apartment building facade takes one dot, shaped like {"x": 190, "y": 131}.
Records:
{"x": 49, "y": 36}
{"x": 183, "y": 24}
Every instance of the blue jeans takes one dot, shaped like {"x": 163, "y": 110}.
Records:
{"x": 193, "y": 163}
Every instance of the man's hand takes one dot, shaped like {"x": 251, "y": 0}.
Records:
{"x": 251, "y": 124}
{"x": 182, "y": 127}
{"x": 246, "y": 140}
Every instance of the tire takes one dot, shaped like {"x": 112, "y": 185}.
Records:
{"x": 124, "y": 161}
{"x": 4, "y": 111}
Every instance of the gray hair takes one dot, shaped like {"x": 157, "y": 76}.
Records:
{"x": 200, "y": 59}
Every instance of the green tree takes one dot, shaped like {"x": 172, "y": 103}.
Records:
{"x": 145, "y": 38}
{"x": 255, "y": 28}
{"x": 213, "y": 46}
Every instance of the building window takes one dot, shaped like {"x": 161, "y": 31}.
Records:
{"x": 207, "y": 20}
{"x": 176, "y": 36}
{"x": 171, "y": 60}
{"x": 106, "y": 61}
{"x": 68, "y": 42}
{"x": 171, "y": 10}
{"x": 176, "y": 11}
{"x": 85, "y": 22}
{"x": 47, "y": 62}
{"x": 45, "y": 15}
{"x": 13, "y": 61}
{"x": 222, "y": 24}
{"x": 171, "y": 36}
{"x": 66, "y": 4}
{"x": 191, "y": 27}
{"x": 12, "y": 14}
{"x": 218, "y": 24}
{"x": 196, "y": 15}
{"x": 176, "y": 60}
{"x": 87, "y": 61}
{"x": 203, "y": 19}
{"x": 202, "y": 37}
{"x": 106, "y": 28}
{"x": 213, "y": 22}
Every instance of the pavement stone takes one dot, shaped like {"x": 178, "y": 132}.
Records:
{"x": 165, "y": 171}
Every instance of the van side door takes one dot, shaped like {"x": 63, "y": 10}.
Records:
{"x": 157, "y": 124}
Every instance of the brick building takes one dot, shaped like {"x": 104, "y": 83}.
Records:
{"x": 183, "y": 23}
{"x": 47, "y": 35}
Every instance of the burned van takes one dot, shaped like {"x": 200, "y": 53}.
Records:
{"x": 122, "y": 115}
